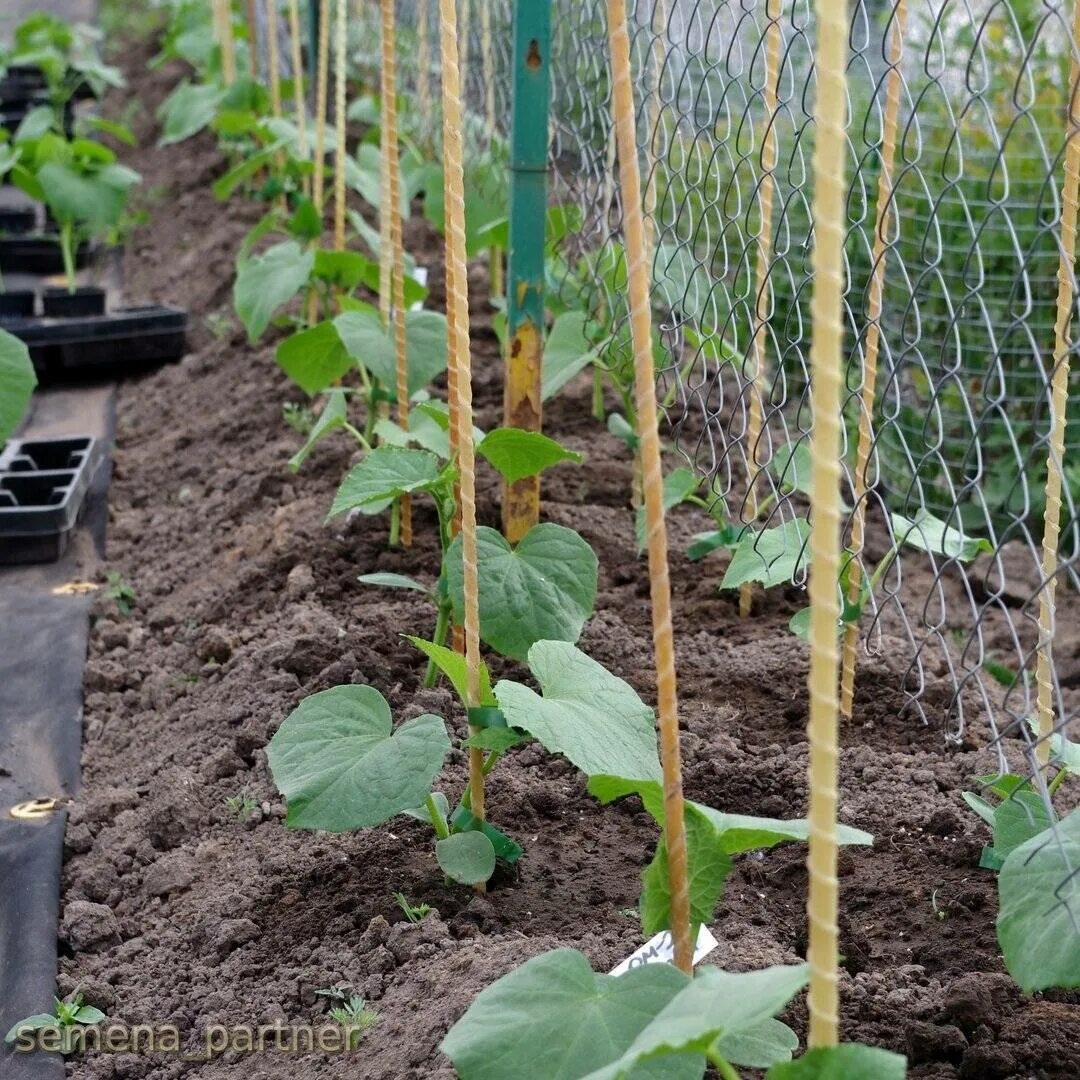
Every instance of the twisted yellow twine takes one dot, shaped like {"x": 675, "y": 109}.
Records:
{"x": 873, "y": 337}
{"x": 423, "y": 62}
{"x": 253, "y": 39}
{"x": 339, "y": 125}
{"x": 273, "y": 59}
{"x": 825, "y": 353}
{"x": 298, "y": 84}
{"x": 622, "y": 104}
{"x": 392, "y": 248}
{"x": 1059, "y": 406}
{"x": 487, "y": 60}
{"x": 764, "y": 258}
{"x": 321, "y": 79}
{"x": 224, "y": 28}
{"x": 457, "y": 300}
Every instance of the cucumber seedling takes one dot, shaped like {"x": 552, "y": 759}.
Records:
{"x": 342, "y": 764}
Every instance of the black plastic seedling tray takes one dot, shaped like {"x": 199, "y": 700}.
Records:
{"x": 37, "y": 253}
{"x": 43, "y": 486}
{"x": 125, "y": 342}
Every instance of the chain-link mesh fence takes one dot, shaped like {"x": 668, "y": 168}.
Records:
{"x": 959, "y": 116}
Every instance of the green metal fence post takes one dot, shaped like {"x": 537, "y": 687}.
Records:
{"x": 528, "y": 217}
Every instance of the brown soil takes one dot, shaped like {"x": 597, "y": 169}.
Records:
{"x": 247, "y": 602}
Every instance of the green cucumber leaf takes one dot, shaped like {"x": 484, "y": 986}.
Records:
{"x": 265, "y": 282}
{"x": 17, "y": 382}
{"x": 561, "y": 1018}
{"x": 1039, "y": 893}
{"x": 848, "y": 1061}
{"x": 372, "y": 344}
{"x": 679, "y": 485}
{"x": 384, "y": 474}
{"x": 335, "y": 414}
{"x": 452, "y": 665}
{"x": 770, "y": 1043}
{"x": 341, "y": 764}
{"x": 543, "y": 589}
{"x": 929, "y": 533}
{"x": 716, "y": 1004}
{"x": 516, "y": 454}
{"x": 709, "y": 866}
{"x": 587, "y": 714}
{"x": 772, "y": 556}
{"x": 466, "y": 857}
{"x": 567, "y": 351}
{"x": 394, "y": 581}
{"x": 314, "y": 359}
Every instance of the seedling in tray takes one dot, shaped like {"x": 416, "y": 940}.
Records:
{"x": 79, "y": 180}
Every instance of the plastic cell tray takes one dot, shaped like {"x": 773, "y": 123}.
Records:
{"x": 37, "y": 253}
{"x": 123, "y": 342}
{"x": 43, "y": 487}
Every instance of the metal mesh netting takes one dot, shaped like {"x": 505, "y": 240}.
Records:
{"x": 952, "y": 256}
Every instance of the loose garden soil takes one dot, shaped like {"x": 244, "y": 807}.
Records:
{"x": 176, "y": 911}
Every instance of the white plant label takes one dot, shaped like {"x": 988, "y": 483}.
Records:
{"x": 659, "y": 949}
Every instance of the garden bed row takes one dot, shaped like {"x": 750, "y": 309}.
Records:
{"x": 187, "y": 901}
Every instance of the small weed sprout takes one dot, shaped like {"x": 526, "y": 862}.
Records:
{"x": 67, "y": 1014}
{"x": 298, "y": 416}
{"x": 119, "y": 590}
{"x": 351, "y": 1011}
{"x": 242, "y": 805}
{"x": 413, "y": 912}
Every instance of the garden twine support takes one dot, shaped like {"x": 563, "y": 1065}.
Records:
{"x": 457, "y": 300}
{"x": 339, "y": 124}
{"x": 622, "y": 105}
{"x": 764, "y": 260}
{"x": 223, "y": 25}
{"x": 392, "y": 252}
{"x": 423, "y": 62}
{"x": 253, "y": 38}
{"x": 1044, "y": 665}
{"x": 522, "y": 404}
{"x": 867, "y": 396}
{"x": 825, "y": 353}
{"x": 321, "y": 77}
{"x": 298, "y": 84}
{"x": 273, "y": 59}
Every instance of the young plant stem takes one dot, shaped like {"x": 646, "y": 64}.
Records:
{"x": 358, "y": 436}
{"x": 725, "y": 1069}
{"x": 395, "y": 523}
{"x": 1057, "y": 782}
{"x": 598, "y": 392}
{"x": 67, "y": 237}
{"x": 442, "y": 830}
{"x": 444, "y": 508}
{"x": 442, "y": 625}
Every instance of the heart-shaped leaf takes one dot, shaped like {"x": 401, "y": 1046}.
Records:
{"x": 341, "y": 765}
{"x": 384, "y": 474}
{"x": 466, "y": 857}
{"x": 716, "y": 1004}
{"x": 267, "y": 281}
{"x": 314, "y": 359}
{"x": 848, "y": 1061}
{"x": 17, "y": 382}
{"x": 542, "y": 590}
{"x": 561, "y": 1018}
{"x": 931, "y": 534}
{"x": 772, "y": 556}
{"x": 587, "y": 714}
{"x": 770, "y": 1043}
{"x": 566, "y": 352}
{"x": 515, "y": 454}
{"x": 371, "y": 344}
